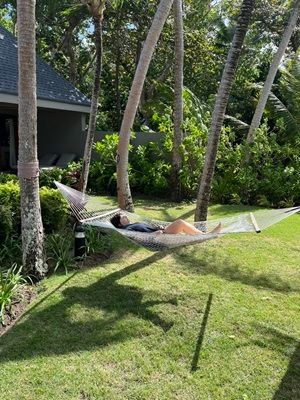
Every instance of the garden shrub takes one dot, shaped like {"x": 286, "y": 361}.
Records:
{"x": 6, "y": 222}
{"x": 48, "y": 176}
{"x": 4, "y": 177}
{"x": 68, "y": 176}
{"x": 102, "y": 177}
{"x": 10, "y": 251}
{"x": 10, "y": 203}
{"x": 54, "y": 210}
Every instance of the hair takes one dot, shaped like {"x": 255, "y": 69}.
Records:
{"x": 116, "y": 220}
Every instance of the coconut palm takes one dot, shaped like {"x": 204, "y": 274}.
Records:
{"x": 178, "y": 100}
{"x": 96, "y": 8}
{"x": 286, "y": 105}
{"x": 123, "y": 188}
{"x": 272, "y": 72}
{"x": 28, "y": 168}
{"x": 219, "y": 109}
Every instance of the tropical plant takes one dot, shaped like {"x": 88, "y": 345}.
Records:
{"x": 272, "y": 72}
{"x": 10, "y": 251}
{"x": 123, "y": 187}
{"x": 96, "y": 241}
{"x": 176, "y": 193}
{"x": 283, "y": 102}
{"x": 59, "y": 251}
{"x": 11, "y": 281}
{"x": 219, "y": 110}
{"x": 96, "y": 8}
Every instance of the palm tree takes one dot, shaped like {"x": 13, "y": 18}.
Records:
{"x": 220, "y": 108}
{"x": 28, "y": 167}
{"x": 272, "y": 72}
{"x": 178, "y": 100}
{"x": 286, "y": 105}
{"x": 96, "y": 8}
{"x": 123, "y": 188}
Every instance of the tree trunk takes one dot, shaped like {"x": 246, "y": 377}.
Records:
{"x": 28, "y": 167}
{"x": 124, "y": 194}
{"x": 176, "y": 194}
{"x": 94, "y": 106}
{"x": 220, "y": 108}
{"x": 117, "y": 76}
{"x": 272, "y": 73}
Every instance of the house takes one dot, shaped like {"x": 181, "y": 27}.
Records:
{"x": 62, "y": 109}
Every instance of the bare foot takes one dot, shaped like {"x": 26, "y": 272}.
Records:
{"x": 158, "y": 232}
{"x": 217, "y": 229}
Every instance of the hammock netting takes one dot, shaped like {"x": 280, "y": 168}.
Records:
{"x": 88, "y": 211}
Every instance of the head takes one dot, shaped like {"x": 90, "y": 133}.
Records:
{"x": 119, "y": 220}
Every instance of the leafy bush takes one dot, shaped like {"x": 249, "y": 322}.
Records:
{"x": 10, "y": 251}
{"x": 102, "y": 177}
{"x": 10, "y": 283}
{"x": 6, "y": 222}
{"x": 48, "y": 176}
{"x": 54, "y": 210}
{"x": 10, "y": 208}
{"x": 4, "y": 177}
{"x": 69, "y": 176}
{"x": 149, "y": 171}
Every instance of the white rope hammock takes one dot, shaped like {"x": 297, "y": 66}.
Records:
{"x": 88, "y": 211}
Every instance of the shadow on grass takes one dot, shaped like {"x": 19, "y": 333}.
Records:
{"x": 289, "y": 387}
{"x": 53, "y": 330}
{"x": 206, "y": 262}
{"x": 195, "y": 360}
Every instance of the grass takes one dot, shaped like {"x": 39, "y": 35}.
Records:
{"x": 217, "y": 321}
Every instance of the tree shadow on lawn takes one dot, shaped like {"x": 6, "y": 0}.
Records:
{"x": 289, "y": 387}
{"x": 52, "y": 331}
{"x": 206, "y": 262}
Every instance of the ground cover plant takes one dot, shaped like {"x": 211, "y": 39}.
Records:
{"x": 213, "y": 321}
{"x": 12, "y": 281}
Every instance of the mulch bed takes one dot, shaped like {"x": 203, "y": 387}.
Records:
{"x": 25, "y": 297}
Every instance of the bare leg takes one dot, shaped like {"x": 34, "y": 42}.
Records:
{"x": 180, "y": 226}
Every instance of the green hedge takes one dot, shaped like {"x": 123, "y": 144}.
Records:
{"x": 54, "y": 209}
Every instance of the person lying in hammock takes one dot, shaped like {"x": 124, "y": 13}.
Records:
{"x": 121, "y": 221}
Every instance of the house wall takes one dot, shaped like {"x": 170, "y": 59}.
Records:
{"x": 60, "y": 132}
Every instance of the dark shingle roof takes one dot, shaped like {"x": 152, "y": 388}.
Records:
{"x": 50, "y": 85}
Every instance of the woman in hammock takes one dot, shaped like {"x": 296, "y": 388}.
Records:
{"x": 121, "y": 221}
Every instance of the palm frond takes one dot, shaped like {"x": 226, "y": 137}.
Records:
{"x": 279, "y": 110}
{"x": 237, "y": 123}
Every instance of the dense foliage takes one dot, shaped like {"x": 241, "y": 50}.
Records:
{"x": 54, "y": 209}
{"x": 65, "y": 40}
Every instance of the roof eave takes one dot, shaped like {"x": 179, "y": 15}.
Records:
{"x": 44, "y": 103}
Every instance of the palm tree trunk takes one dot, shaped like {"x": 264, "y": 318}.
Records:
{"x": 176, "y": 194}
{"x": 220, "y": 108}
{"x": 94, "y": 105}
{"x": 272, "y": 72}
{"x": 124, "y": 194}
{"x": 28, "y": 167}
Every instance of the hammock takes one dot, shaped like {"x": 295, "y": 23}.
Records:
{"x": 88, "y": 211}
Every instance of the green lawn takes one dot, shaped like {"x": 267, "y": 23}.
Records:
{"x": 217, "y": 321}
